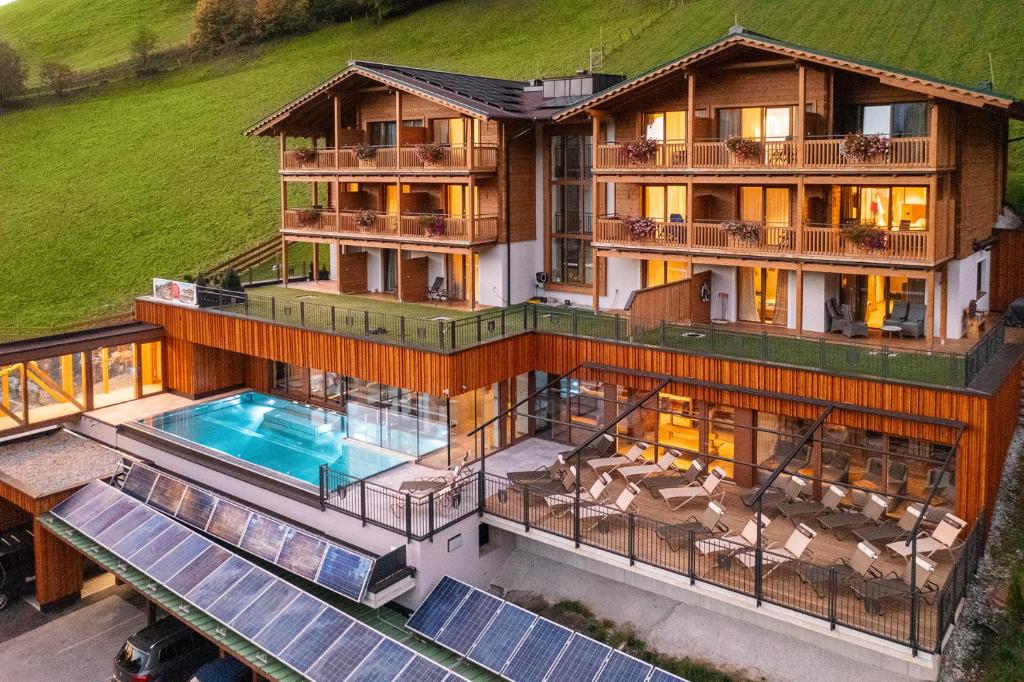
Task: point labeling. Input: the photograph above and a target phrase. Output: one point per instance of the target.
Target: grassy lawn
(152, 177)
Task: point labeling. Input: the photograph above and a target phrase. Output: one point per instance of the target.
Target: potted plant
(429, 153)
(640, 227)
(743, 231)
(306, 156)
(640, 152)
(366, 219)
(365, 154)
(309, 216)
(433, 225)
(860, 148)
(744, 148)
(866, 236)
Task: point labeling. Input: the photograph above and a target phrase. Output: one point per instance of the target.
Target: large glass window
(768, 205)
(665, 202)
(657, 272)
(571, 157)
(571, 209)
(871, 297)
(759, 123)
(665, 126)
(903, 119)
(899, 208)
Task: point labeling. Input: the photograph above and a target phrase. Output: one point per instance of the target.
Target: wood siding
(1006, 277)
(195, 370)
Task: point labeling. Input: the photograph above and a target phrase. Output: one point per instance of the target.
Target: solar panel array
(335, 567)
(310, 636)
(519, 645)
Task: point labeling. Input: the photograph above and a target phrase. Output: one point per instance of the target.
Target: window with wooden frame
(665, 126)
(571, 210)
(759, 123)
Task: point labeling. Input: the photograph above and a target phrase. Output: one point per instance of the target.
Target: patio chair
(851, 327)
(710, 522)
(835, 465)
(727, 545)
(812, 508)
(944, 537)
(776, 555)
(548, 472)
(677, 498)
(860, 565)
(656, 483)
(641, 471)
(884, 532)
(622, 505)
(898, 315)
(437, 291)
(845, 521)
(634, 455)
(895, 586)
(595, 495)
(834, 315)
(790, 491)
(939, 486)
(430, 484)
(913, 326)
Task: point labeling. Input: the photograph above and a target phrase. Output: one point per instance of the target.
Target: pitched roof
(739, 36)
(476, 96)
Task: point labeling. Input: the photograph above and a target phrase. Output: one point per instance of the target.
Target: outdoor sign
(182, 293)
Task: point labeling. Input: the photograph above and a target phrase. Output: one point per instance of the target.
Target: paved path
(80, 645)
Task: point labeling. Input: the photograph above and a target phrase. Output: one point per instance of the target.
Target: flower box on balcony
(306, 156)
(640, 152)
(430, 153)
(366, 219)
(744, 232)
(867, 236)
(640, 227)
(433, 225)
(309, 217)
(859, 148)
(366, 155)
(745, 149)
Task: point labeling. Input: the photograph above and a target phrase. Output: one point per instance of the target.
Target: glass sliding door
(763, 295)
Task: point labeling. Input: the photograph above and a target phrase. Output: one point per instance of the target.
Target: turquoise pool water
(276, 434)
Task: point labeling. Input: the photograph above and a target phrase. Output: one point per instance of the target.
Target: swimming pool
(276, 434)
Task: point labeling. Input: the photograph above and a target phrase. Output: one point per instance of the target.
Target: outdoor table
(891, 329)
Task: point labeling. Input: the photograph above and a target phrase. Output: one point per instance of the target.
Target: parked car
(167, 651)
(225, 669)
(17, 563)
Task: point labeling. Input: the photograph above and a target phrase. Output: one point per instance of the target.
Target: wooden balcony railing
(614, 231)
(614, 156)
(825, 241)
(390, 158)
(904, 152)
(773, 154)
(828, 240)
(389, 225)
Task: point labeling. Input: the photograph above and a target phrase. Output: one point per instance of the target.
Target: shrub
(220, 23)
(640, 152)
(230, 280)
(59, 77)
(12, 73)
(142, 47)
(745, 148)
(280, 17)
(742, 231)
(640, 227)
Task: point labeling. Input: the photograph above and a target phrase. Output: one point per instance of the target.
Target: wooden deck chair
(677, 498)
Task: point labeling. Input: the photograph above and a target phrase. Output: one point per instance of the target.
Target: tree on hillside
(59, 77)
(280, 17)
(142, 47)
(12, 73)
(220, 23)
(382, 9)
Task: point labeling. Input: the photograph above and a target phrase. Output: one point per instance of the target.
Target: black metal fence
(445, 335)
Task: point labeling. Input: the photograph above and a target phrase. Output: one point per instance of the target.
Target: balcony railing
(825, 241)
(433, 226)
(391, 158)
(667, 155)
(904, 152)
(772, 153)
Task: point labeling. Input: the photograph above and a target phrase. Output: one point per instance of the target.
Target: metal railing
(898, 363)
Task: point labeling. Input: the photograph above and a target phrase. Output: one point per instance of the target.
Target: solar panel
(301, 554)
(263, 537)
(538, 652)
(159, 547)
(659, 675)
(196, 507)
(167, 494)
(240, 595)
(228, 522)
(383, 663)
(345, 656)
(197, 571)
(297, 615)
(624, 668)
(127, 524)
(466, 624)
(218, 582)
(178, 558)
(315, 639)
(139, 482)
(438, 607)
(255, 617)
(501, 637)
(422, 670)
(581, 660)
(344, 572)
(95, 499)
(141, 536)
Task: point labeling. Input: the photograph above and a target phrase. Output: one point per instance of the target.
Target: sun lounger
(595, 495)
(599, 514)
(727, 545)
(776, 555)
(843, 523)
(656, 483)
(710, 522)
(676, 498)
(553, 471)
(860, 565)
(884, 532)
(875, 592)
(642, 471)
(811, 508)
(634, 455)
(942, 538)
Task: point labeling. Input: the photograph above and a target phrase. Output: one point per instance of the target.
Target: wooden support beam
(929, 318)
(470, 141)
(800, 299)
(337, 125)
(284, 262)
(398, 126)
(691, 104)
(24, 393)
(137, 361)
(282, 147)
(400, 286)
(316, 263)
(944, 303)
(801, 195)
(470, 206)
(342, 250)
(801, 113)
(471, 268)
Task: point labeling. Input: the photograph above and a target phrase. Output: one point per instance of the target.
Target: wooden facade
(1007, 275)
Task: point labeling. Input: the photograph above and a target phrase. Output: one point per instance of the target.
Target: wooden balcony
(407, 227)
(818, 153)
(389, 159)
(819, 242)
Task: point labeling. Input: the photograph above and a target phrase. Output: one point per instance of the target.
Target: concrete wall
(815, 295)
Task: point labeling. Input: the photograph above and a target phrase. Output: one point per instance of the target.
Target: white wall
(814, 302)
(723, 280)
(962, 282)
(373, 269)
(624, 277)
(333, 250)
(791, 310)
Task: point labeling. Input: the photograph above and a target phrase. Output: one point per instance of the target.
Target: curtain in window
(777, 207)
(781, 315)
(728, 123)
(746, 306)
(910, 119)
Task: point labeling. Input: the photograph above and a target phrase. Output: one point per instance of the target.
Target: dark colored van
(167, 651)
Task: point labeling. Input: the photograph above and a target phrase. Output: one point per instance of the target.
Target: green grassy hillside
(86, 34)
(151, 177)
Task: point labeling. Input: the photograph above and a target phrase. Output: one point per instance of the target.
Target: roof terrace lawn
(372, 304)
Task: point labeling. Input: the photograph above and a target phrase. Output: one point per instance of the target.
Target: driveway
(78, 644)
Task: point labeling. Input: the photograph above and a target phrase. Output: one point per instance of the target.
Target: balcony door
(871, 297)
(768, 205)
(759, 123)
(763, 295)
(389, 270)
(658, 272)
(665, 126)
(903, 119)
(665, 202)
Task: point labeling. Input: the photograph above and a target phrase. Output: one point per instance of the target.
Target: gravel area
(976, 612)
(56, 461)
